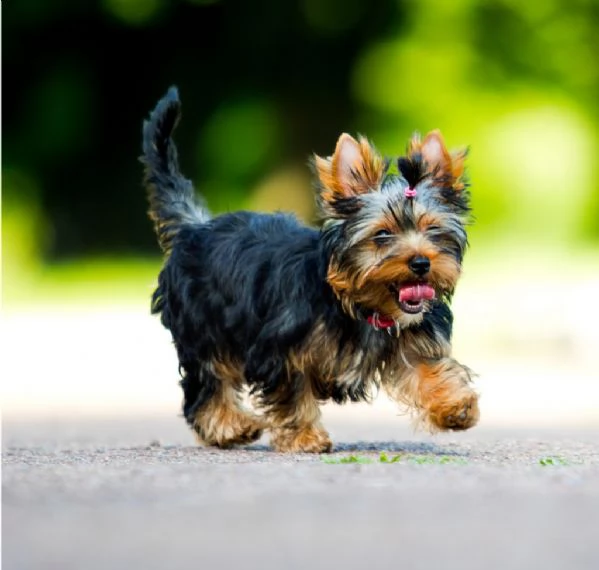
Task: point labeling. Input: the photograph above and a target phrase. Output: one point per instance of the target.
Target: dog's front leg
(441, 391)
(444, 392)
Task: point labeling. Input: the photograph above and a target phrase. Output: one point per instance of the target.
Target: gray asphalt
(137, 493)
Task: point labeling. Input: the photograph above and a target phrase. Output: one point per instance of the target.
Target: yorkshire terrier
(301, 315)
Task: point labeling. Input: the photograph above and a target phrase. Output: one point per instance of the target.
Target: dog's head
(396, 240)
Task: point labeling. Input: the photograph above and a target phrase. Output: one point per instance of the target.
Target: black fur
(171, 196)
(412, 169)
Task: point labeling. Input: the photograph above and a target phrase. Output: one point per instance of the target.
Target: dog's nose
(420, 265)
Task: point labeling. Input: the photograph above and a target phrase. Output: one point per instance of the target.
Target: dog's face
(397, 240)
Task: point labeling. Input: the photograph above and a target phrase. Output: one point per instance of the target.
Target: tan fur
(427, 219)
(223, 421)
(296, 425)
(309, 438)
(370, 289)
(443, 165)
(334, 173)
(440, 392)
(458, 159)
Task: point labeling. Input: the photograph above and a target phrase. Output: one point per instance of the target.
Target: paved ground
(135, 493)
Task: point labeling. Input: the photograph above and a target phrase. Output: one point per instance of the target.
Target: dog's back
(226, 280)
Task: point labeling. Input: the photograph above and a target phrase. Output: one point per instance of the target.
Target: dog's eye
(382, 236)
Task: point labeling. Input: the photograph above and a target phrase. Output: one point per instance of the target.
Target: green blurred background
(264, 84)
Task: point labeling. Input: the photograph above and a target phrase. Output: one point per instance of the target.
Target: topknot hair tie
(410, 192)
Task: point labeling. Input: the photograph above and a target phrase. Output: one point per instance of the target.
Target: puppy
(302, 315)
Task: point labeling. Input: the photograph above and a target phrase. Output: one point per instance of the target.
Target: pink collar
(380, 321)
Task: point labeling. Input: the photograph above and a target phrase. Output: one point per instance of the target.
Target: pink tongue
(416, 292)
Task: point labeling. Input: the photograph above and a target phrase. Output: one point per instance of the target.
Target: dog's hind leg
(213, 407)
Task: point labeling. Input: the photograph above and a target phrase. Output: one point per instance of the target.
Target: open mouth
(411, 296)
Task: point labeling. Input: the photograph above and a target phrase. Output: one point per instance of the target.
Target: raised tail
(171, 196)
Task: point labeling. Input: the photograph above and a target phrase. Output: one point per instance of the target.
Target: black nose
(419, 264)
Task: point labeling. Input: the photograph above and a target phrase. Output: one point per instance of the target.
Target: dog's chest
(335, 359)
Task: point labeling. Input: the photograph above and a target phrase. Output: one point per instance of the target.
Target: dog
(299, 316)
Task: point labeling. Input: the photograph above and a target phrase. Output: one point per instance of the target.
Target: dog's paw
(310, 439)
(248, 433)
(455, 415)
(229, 429)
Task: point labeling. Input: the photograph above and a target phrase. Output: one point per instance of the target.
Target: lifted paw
(457, 415)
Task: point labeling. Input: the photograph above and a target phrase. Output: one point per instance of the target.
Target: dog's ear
(354, 169)
(446, 169)
(458, 157)
(436, 155)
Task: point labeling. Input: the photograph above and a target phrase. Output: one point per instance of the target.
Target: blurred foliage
(266, 83)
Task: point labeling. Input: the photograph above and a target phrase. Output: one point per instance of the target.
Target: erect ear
(435, 153)
(445, 168)
(458, 157)
(355, 168)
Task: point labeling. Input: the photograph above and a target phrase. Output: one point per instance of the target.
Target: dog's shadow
(401, 447)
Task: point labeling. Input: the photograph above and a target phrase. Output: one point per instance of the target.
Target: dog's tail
(171, 196)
